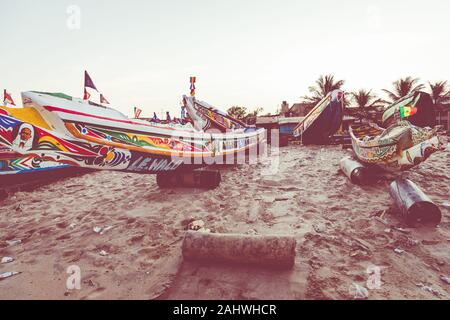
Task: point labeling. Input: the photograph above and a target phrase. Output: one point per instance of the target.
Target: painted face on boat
(25, 134)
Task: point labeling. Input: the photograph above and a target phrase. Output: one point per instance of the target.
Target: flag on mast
(193, 80)
(86, 95)
(137, 112)
(103, 99)
(88, 83)
(407, 111)
(7, 98)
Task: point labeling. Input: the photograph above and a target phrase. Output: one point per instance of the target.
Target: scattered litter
(97, 229)
(196, 225)
(402, 230)
(72, 225)
(101, 230)
(388, 230)
(204, 230)
(446, 204)
(6, 260)
(13, 242)
(89, 283)
(103, 253)
(413, 242)
(359, 292)
(106, 229)
(399, 251)
(9, 274)
(429, 289)
(445, 279)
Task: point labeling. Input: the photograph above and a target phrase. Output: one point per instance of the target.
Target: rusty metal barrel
(415, 206)
(356, 171)
(275, 251)
(204, 179)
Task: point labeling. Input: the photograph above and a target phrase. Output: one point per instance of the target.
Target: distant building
(299, 110)
(284, 126)
(284, 108)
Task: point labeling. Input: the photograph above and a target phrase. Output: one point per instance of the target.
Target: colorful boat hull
(322, 121)
(398, 148)
(93, 136)
(16, 168)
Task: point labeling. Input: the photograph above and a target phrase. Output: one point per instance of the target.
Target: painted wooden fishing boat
(400, 147)
(322, 121)
(85, 134)
(16, 168)
(206, 117)
(417, 108)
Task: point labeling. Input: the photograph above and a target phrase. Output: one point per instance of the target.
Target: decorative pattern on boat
(35, 143)
(209, 117)
(99, 148)
(139, 140)
(400, 147)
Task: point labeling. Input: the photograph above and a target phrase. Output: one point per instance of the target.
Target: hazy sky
(253, 53)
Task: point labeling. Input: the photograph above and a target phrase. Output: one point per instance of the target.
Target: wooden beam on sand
(264, 251)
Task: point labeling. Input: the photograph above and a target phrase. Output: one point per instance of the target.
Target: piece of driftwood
(263, 251)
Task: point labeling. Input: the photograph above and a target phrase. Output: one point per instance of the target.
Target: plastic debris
(445, 279)
(402, 230)
(399, 251)
(102, 230)
(97, 229)
(413, 242)
(429, 289)
(13, 242)
(103, 253)
(6, 260)
(196, 225)
(8, 274)
(359, 292)
(106, 229)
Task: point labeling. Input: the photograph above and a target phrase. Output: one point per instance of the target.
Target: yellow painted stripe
(28, 115)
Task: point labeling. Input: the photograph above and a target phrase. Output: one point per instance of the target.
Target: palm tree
(440, 93)
(237, 112)
(324, 85)
(403, 87)
(365, 101)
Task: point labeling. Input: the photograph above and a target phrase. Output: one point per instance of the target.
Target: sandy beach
(136, 251)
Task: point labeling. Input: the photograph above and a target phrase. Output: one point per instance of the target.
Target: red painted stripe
(51, 108)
